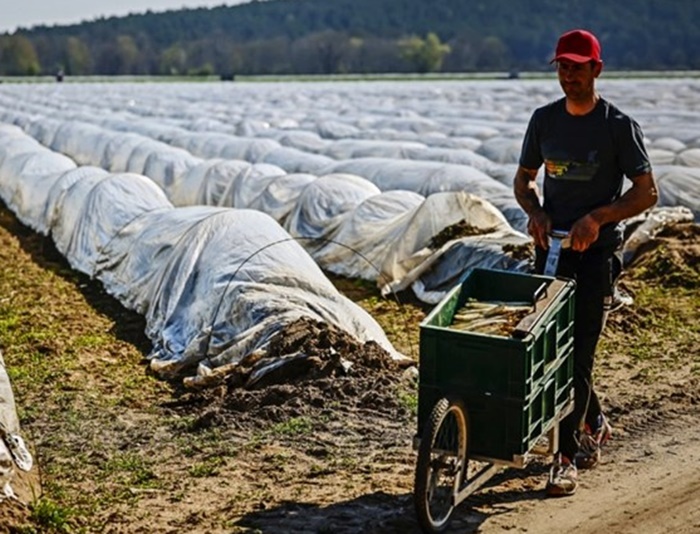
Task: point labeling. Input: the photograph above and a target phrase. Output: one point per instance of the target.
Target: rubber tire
(447, 430)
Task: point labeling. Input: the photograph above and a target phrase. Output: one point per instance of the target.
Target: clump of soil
(328, 368)
(328, 345)
(520, 252)
(455, 231)
(671, 258)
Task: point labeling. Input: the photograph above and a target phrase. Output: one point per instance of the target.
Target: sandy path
(649, 484)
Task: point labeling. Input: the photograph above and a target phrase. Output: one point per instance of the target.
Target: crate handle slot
(539, 293)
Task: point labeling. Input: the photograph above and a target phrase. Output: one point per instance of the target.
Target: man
(586, 145)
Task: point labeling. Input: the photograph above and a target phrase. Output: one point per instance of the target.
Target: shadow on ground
(382, 513)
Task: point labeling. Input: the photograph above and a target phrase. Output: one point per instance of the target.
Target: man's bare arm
(526, 193)
(525, 189)
(641, 196)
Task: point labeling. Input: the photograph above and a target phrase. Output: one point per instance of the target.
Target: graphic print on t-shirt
(578, 171)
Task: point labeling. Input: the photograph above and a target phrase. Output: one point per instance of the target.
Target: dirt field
(322, 449)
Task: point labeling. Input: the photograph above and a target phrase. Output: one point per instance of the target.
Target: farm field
(122, 451)
(416, 179)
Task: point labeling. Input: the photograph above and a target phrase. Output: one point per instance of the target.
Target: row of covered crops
(211, 287)
(362, 200)
(407, 185)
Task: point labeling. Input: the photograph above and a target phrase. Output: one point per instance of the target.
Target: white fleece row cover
(347, 223)
(215, 284)
(260, 146)
(425, 137)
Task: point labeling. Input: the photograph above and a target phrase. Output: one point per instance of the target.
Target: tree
(321, 53)
(493, 54)
(364, 35)
(426, 55)
(77, 59)
(173, 60)
(18, 56)
(128, 54)
(462, 55)
(119, 56)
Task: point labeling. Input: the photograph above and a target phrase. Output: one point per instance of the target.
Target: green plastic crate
(505, 429)
(513, 388)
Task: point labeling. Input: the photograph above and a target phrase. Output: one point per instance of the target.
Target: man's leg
(563, 476)
(592, 271)
(596, 276)
(569, 266)
(594, 281)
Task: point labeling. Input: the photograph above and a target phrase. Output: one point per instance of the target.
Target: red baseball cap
(579, 46)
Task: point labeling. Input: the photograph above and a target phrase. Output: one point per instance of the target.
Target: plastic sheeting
(209, 304)
(462, 137)
(320, 213)
(28, 172)
(475, 125)
(13, 451)
(110, 203)
(215, 284)
(645, 227)
(360, 245)
(427, 178)
(323, 204)
(679, 186)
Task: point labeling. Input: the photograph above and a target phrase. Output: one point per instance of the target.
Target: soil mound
(327, 369)
(672, 258)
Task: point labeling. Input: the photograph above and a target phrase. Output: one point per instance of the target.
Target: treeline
(358, 36)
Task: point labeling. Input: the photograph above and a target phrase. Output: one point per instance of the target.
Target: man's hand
(584, 233)
(538, 226)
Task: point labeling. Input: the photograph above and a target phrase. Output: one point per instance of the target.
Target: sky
(27, 13)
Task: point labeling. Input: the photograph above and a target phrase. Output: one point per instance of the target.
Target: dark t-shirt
(585, 159)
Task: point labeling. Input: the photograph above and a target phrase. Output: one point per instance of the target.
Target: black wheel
(441, 465)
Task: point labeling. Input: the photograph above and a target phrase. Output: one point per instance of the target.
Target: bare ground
(327, 447)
